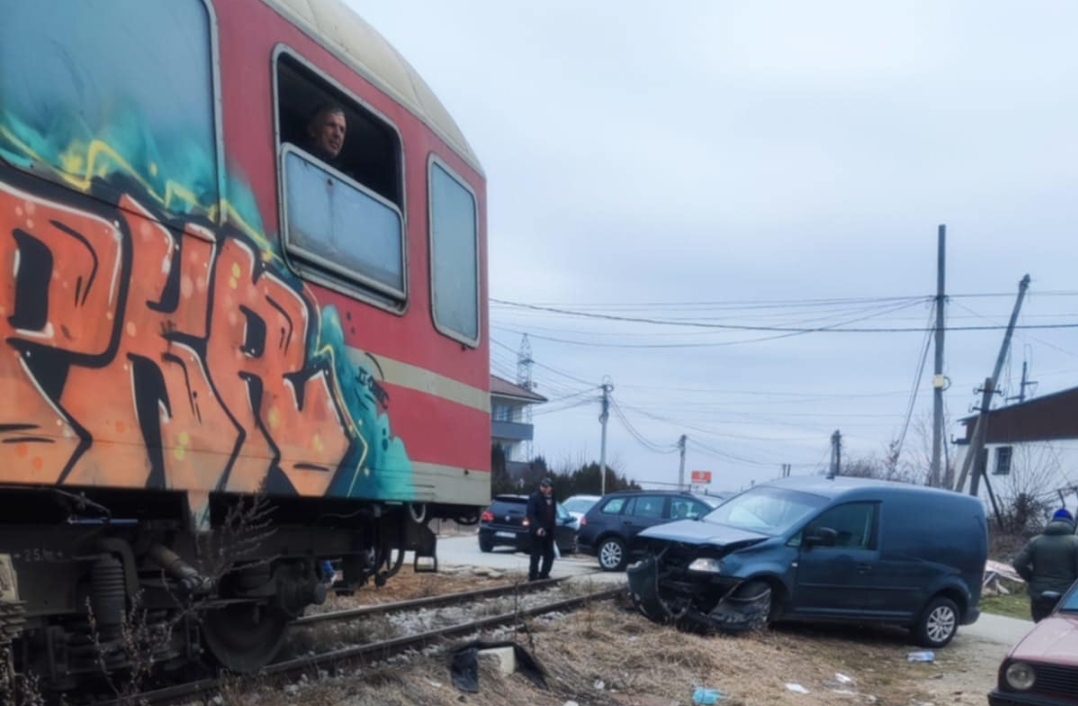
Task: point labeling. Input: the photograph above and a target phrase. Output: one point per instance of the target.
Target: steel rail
(382, 649)
(427, 602)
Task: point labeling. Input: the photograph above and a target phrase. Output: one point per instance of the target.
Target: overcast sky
(762, 164)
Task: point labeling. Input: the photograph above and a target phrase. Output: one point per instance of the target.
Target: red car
(1042, 669)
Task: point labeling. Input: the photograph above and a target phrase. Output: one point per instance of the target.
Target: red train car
(242, 305)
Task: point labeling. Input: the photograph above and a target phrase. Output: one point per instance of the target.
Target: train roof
(349, 36)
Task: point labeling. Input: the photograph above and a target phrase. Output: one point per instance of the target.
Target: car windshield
(1070, 602)
(712, 500)
(579, 504)
(766, 510)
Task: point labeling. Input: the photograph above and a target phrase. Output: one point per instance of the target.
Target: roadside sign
(701, 477)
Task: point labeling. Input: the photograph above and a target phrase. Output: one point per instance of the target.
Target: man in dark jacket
(1049, 562)
(541, 520)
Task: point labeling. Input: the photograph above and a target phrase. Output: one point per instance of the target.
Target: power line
(782, 329)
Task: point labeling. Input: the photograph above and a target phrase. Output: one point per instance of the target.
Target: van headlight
(1020, 676)
(706, 565)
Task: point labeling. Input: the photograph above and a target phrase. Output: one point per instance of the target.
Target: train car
(242, 326)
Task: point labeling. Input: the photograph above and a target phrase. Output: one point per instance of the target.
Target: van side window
(123, 87)
(341, 185)
(855, 524)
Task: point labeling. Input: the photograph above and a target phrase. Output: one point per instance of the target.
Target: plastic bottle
(926, 656)
(705, 696)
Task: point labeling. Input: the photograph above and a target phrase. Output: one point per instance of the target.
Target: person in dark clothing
(325, 133)
(541, 520)
(1049, 563)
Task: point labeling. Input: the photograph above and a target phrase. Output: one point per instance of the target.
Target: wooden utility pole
(981, 427)
(603, 417)
(836, 454)
(938, 381)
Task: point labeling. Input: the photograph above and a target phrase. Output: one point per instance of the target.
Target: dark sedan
(504, 524)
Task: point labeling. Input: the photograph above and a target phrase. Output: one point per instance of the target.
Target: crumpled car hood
(702, 532)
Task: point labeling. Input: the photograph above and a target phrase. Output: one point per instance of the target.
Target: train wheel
(244, 637)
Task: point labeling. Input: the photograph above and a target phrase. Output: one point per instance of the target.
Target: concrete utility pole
(603, 417)
(981, 427)
(681, 466)
(938, 381)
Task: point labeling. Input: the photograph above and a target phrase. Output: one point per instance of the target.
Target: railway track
(383, 649)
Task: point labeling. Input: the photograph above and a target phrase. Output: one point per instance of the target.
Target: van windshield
(765, 510)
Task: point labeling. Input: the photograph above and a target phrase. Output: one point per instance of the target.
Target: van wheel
(612, 554)
(938, 624)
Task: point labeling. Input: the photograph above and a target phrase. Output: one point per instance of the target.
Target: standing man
(1049, 562)
(541, 520)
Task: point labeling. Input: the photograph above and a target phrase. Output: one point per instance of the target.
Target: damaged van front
(722, 571)
(818, 549)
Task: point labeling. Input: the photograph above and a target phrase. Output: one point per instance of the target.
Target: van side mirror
(823, 536)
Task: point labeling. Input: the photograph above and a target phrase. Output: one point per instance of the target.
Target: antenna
(524, 379)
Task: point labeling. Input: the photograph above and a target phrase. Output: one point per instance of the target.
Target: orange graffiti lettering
(142, 353)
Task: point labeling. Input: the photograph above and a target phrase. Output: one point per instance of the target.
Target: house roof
(503, 388)
(1048, 418)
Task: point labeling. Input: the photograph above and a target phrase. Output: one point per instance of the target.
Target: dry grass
(638, 663)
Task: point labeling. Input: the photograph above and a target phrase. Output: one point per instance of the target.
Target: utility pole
(938, 381)
(603, 417)
(681, 465)
(1026, 382)
(981, 427)
(836, 454)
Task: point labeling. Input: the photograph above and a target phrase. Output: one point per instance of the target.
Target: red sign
(701, 477)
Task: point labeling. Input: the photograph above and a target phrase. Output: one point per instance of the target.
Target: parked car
(578, 505)
(505, 523)
(1042, 669)
(609, 529)
(818, 549)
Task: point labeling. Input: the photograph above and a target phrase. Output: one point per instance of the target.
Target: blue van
(818, 549)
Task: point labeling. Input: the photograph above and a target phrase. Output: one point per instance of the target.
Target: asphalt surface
(464, 551)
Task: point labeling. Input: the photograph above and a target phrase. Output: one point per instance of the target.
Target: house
(1031, 446)
(509, 425)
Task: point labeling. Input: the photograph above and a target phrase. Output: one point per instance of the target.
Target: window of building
(454, 256)
(343, 195)
(502, 413)
(1003, 460)
(121, 88)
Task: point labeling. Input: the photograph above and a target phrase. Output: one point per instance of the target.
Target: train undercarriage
(106, 587)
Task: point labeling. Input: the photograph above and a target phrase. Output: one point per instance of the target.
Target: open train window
(341, 185)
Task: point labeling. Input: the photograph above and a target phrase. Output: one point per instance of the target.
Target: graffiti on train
(144, 351)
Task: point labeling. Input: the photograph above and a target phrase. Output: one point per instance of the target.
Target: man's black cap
(545, 483)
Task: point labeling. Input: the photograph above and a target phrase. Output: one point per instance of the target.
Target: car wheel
(612, 554)
(486, 544)
(938, 623)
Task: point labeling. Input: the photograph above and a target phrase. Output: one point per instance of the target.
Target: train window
(124, 87)
(454, 256)
(342, 191)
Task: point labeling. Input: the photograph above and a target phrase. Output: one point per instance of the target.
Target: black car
(504, 523)
(608, 530)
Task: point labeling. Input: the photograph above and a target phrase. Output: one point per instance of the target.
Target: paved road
(464, 551)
